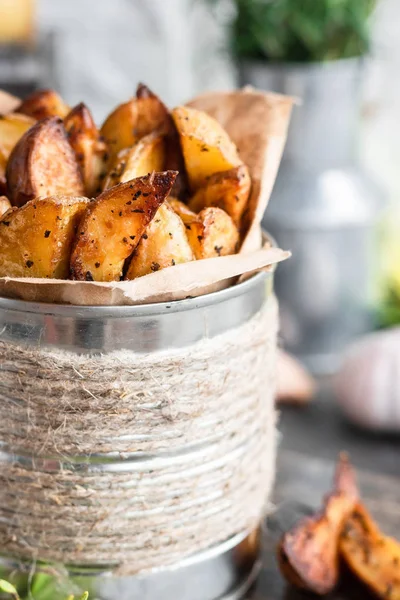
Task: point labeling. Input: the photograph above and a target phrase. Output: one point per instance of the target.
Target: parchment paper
(257, 123)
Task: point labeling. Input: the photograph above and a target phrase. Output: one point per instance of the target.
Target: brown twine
(203, 417)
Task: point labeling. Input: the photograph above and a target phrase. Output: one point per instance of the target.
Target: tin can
(224, 571)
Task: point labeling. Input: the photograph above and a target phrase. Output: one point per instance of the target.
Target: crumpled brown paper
(257, 123)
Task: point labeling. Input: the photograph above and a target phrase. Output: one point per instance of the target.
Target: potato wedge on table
(211, 233)
(12, 128)
(308, 554)
(373, 557)
(131, 121)
(206, 147)
(8, 103)
(113, 225)
(42, 104)
(43, 164)
(147, 155)
(90, 149)
(5, 205)
(228, 190)
(164, 244)
(36, 239)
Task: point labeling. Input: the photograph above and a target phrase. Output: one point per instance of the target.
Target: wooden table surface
(312, 437)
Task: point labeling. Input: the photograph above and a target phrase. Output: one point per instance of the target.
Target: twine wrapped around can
(136, 460)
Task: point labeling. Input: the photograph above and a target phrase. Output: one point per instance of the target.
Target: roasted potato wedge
(8, 103)
(163, 244)
(113, 225)
(206, 147)
(43, 164)
(373, 557)
(5, 205)
(42, 104)
(308, 554)
(12, 128)
(131, 121)
(211, 233)
(147, 155)
(36, 239)
(90, 149)
(228, 190)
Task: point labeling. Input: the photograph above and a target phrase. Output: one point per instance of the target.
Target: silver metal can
(223, 571)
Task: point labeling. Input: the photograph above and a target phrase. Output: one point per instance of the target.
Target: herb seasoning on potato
(165, 188)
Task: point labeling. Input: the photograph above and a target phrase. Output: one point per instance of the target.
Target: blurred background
(336, 203)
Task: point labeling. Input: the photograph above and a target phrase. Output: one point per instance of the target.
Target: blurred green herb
(299, 30)
(7, 588)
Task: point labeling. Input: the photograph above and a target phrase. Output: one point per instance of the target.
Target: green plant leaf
(84, 596)
(8, 588)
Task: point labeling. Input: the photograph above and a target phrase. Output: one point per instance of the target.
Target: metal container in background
(221, 572)
(324, 208)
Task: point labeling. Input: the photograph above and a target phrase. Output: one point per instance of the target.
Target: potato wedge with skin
(43, 164)
(42, 104)
(146, 156)
(8, 103)
(12, 128)
(164, 244)
(206, 147)
(90, 149)
(113, 225)
(211, 233)
(36, 239)
(308, 554)
(134, 119)
(373, 557)
(229, 190)
(5, 205)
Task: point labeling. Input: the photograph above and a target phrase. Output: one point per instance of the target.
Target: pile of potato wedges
(149, 189)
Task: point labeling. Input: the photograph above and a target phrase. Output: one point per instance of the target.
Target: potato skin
(90, 149)
(206, 147)
(134, 119)
(36, 239)
(147, 155)
(43, 164)
(228, 190)
(42, 104)
(113, 224)
(164, 244)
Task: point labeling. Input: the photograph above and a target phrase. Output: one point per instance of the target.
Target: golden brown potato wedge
(138, 117)
(163, 244)
(308, 554)
(42, 104)
(211, 233)
(228, 190)
(5, 205)
(373, 557)
(147, 155)
(12, 128)
(206, 147)
(8, 103)
(36, 239)
(90, 149)
(113, 225)
(43, 164)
